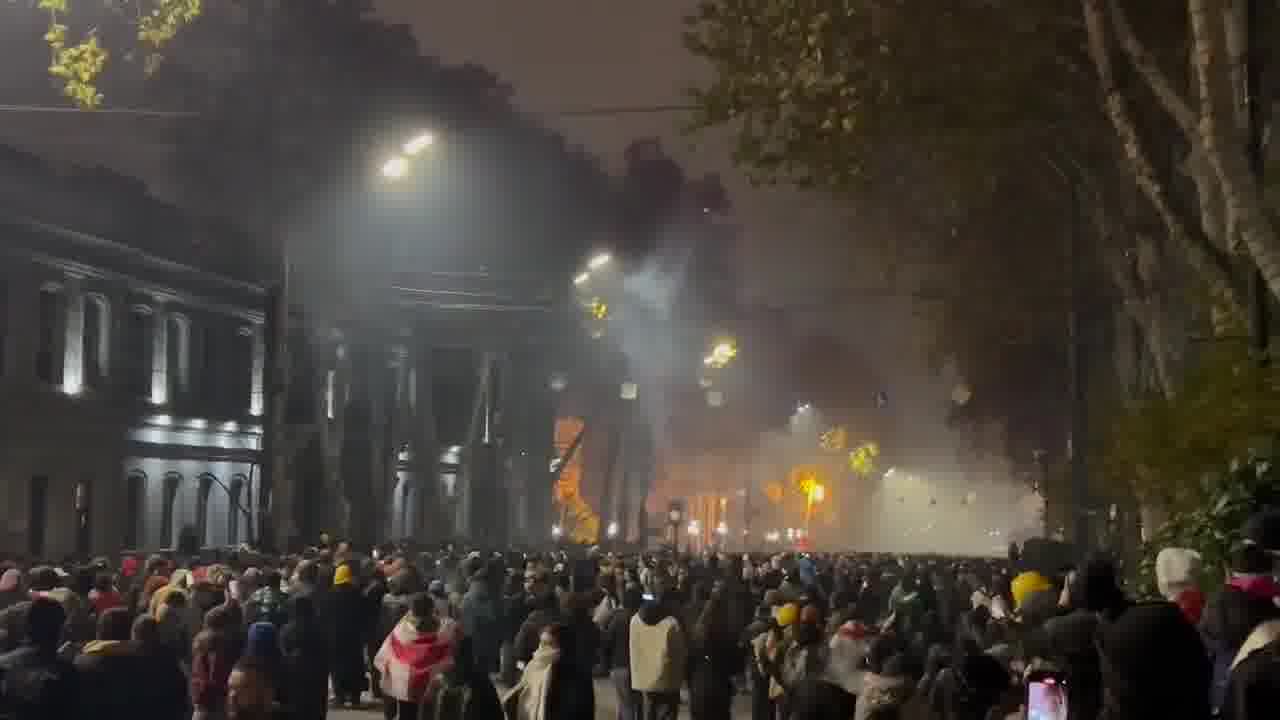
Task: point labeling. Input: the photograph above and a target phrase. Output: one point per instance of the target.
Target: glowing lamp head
(419, 143)
(396, 168)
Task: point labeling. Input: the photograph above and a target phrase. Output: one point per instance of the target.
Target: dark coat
(37, 685)
(111, 676)
(303, 643)
(615, 641)
(350, 622)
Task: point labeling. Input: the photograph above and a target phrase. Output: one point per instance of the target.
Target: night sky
(571, 54)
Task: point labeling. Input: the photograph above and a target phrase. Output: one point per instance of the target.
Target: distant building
(131, 384)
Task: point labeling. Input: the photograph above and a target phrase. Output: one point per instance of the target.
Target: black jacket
(615, 642)
(35, 684)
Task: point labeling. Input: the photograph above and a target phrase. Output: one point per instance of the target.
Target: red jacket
(210, 673)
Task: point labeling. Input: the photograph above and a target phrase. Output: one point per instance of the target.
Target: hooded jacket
(659, 650)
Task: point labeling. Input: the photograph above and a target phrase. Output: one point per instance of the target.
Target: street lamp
(581, 278)
(419, 143)
(395, 168)
(599, 261)
(612, 530)
(557, 531)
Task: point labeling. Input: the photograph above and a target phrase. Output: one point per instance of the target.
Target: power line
(127, 111)
(604, 111)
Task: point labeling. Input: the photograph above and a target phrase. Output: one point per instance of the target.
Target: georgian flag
(409, 659)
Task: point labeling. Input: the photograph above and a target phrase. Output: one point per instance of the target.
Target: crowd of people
(481, 636)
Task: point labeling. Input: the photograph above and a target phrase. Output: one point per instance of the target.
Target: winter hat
(129, 566)
(1176, 570)
(786, 615)
(262, 641)
(1027, 583)
(342, 576)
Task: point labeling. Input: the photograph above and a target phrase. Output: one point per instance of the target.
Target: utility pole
(1259, 295)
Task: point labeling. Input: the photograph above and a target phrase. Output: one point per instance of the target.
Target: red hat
(129, 565)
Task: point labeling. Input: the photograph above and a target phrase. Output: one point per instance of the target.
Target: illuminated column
(73, 347)
(259, 365)
(160, 355)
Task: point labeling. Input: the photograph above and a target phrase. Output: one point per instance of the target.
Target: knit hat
(342, 576)
(1025, 584)
(787, 614)
(1176, 570)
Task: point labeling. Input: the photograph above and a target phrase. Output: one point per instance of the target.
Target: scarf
(410, 658)
(528, 699)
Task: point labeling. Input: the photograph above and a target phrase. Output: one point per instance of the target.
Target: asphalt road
(606, 706)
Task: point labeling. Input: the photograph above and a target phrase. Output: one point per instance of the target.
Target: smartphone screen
(647, 597)
(1046, 699)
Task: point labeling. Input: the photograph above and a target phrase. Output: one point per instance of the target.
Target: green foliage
(813, 88)
(1213, 525)
(78, 65)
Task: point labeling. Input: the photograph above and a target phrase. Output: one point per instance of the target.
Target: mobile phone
(1046, 696)
(648, 597)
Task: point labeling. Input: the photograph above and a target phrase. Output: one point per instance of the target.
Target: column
(159, 355)
(258, 368)
(73, 343)
(431, 523)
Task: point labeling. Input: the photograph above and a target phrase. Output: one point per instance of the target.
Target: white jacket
(658, 655)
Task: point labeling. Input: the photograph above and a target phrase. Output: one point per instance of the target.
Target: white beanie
(1176, 570)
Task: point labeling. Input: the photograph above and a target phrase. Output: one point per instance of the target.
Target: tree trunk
(1209, 262)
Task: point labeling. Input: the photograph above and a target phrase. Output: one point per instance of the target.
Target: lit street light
(581, 278)
(419, 143)
(599, 261)
(556, 531)
(612, 530)
(396, 168)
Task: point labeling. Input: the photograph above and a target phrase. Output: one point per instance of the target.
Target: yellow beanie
(1027, 583)
(342, 576)
(786, 614)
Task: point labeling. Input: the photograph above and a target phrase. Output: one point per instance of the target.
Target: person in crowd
(1249, 599)
(165, 691)
(481, 615)
(305, 652)
(171, 625)
(351, 618)
(268, 603)
(251, 693)
(1177, 572)
(104, 596)
(615, 650)
(716, 659)
(462, 691)
(35, 683)
(212, 657)
(544, 611)
(262, 643)
(420, 646)
(516, 607)
(555, 683)
(1154, 666)
(659, 650)
(110, 670)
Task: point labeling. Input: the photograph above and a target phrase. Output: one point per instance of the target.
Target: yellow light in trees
(862, 459)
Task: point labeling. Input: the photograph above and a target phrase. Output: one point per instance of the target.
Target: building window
(235, 509)
(136, 493)
(169, 508)
(96, 350)
(139, 349)
(202, 509)
(178, 354)
(49, 317)
(37, 515)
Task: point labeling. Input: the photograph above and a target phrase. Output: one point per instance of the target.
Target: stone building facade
(130, 395)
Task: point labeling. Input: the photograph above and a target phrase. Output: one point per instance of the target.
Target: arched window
(202, 509)
(136, 493)
(96, 348)
(235, 508)
(179, 356)
(169, 508)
